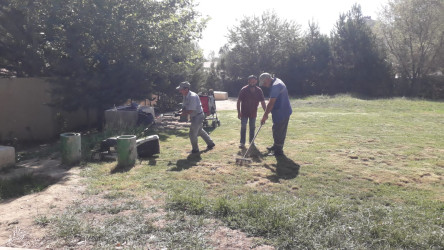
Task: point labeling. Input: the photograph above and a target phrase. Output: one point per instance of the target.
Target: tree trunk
(100, 117)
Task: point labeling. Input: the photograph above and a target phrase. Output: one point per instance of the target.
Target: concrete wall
(120, 119)
(7, 156)
(24, 114)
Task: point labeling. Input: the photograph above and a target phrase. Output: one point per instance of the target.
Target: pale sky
(227, 13)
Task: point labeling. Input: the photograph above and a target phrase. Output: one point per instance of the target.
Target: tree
(22, 38)
(213, 79)
(359, 63)
(413, 31)
(259, 44)
(107, 51)
(309, 69)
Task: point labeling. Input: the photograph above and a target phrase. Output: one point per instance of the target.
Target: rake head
(243, 161)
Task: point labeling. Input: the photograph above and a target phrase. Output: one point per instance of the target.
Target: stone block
(220, 95)
(7, 156)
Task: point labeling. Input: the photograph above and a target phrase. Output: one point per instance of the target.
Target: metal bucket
(126, 150)
(71, 148)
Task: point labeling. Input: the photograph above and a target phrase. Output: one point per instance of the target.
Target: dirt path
(229, 104)
(18, 215)
(18, 227)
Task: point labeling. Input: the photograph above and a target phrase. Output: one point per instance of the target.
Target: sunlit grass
(357, 174)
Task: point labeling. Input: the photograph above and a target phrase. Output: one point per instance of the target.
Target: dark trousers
(279, 133)
(252, 124)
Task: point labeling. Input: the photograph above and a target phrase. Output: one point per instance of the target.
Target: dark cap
(252, 77)
(183, 85)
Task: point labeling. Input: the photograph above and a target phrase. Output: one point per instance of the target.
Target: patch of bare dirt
(18, 215)
(226, 238)
(18, 227)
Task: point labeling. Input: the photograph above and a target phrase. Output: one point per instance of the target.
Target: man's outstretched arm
(269, 108)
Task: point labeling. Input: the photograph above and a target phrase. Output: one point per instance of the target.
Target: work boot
(241, 145)
(272, 148)
(211, 146)
(276, 153)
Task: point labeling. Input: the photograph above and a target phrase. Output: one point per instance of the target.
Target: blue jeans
(243, 133)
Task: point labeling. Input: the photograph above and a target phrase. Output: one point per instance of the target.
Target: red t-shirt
(250, 100)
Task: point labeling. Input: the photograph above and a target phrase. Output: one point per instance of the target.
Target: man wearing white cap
(193, 107)
(280, 108)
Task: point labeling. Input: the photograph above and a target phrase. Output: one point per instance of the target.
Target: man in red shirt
(247, 103)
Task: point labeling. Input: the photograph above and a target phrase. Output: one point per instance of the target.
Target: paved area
(229, 104)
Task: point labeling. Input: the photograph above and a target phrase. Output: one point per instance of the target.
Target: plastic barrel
(126, 150)
(71, 148)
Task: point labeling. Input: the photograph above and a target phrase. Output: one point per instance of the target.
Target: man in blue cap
(280, 108)
(193, 107)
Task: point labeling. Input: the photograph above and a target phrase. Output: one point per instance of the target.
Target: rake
(244, 160)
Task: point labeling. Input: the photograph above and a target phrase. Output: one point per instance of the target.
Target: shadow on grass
(166, 133)
(152, 161)
(284, 168)
(209, 129)
(187, 163)
(253, 153)
(121, 169)
(31, 176)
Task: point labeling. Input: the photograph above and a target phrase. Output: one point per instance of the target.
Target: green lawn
(356, 174)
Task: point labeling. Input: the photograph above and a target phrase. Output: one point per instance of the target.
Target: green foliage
(359, 64)
(430, 87)
(351, 60)
(126, 50)
(421, 21)
(308, 72)
(259, 44)
(103, 52)
(414, 33)
(214, 80)
(23, 47)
